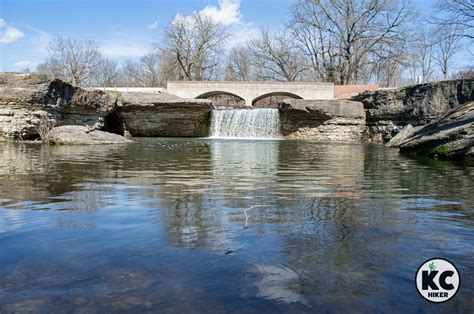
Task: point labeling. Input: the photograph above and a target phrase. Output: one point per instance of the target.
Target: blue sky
(122, 28)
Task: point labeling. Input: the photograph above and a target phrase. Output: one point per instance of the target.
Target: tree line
(344, 42)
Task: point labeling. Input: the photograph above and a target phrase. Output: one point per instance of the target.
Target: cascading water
(245, 123)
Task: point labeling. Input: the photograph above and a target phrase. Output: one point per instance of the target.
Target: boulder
(401, 136)
(451, 136)
(325, 120)
(390, 110)
(74, 134)
(162, 114)
(29, 101)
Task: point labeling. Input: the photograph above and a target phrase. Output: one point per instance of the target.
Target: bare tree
(446, 46)
(276, 58)
(167, 69)
(338, 36)
(464, 73)
(229, 74)
(52, 68)
(133, 74)
(240, 61)
(315, 42)
(151, 68)
(195, 42)
(458, 14)
(387, 65)
(107, 73)
(423, 53)
(74, 60)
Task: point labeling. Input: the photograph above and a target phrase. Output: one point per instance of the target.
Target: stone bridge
(251, 92)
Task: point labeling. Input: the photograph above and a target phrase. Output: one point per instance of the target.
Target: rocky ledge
(389, 111)
(451, 136)
(74, 134)
(325, 120)
(29, 102)
(162, 114)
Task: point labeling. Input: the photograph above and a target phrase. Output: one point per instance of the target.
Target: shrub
(43, 126)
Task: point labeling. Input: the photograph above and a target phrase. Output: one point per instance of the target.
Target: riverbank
(31, 105)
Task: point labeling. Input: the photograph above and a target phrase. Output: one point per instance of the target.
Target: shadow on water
(220, 225)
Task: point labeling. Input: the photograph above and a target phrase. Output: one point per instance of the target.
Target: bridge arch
(277, 93)
(224, 99)
(217, 93)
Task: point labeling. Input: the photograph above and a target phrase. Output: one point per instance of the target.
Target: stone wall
(389, 111)
(161, 114)
(323, 120)
(29, 100)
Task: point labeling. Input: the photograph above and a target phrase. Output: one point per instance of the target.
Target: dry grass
(44, 125)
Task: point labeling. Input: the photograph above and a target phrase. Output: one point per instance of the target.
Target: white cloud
(243, 33)
(123, 49)
(25, 64)
(227, 13)
(153, 25)
(8, 33)
(277, 283)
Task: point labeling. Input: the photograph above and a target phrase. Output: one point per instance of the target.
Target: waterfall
(245, 123)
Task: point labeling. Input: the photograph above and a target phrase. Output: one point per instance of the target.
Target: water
(176, 225)
(250, 123)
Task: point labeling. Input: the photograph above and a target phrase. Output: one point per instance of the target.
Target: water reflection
(253, 226)
(278, 283)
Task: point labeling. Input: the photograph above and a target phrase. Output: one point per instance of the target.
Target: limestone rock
(388, 111)
(450, 136)
(27, 100)
(162, 114)
(74, 134)
(325, 120)
(407, 131)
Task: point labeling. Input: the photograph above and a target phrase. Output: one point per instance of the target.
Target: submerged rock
(326, 120)
(449, 137)
(29, 101)
(162, 114)
(74, 134)
(389, 111)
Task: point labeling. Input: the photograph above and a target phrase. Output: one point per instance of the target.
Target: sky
(125, 29)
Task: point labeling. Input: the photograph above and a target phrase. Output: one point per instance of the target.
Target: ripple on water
(215, 225)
